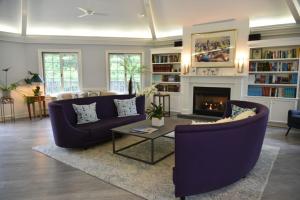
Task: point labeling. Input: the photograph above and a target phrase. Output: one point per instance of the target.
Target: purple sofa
(68, 134)
(208, 157)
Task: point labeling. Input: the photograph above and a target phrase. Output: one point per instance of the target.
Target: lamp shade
(36, 79)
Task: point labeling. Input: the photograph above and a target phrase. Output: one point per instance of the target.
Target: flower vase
(130, 86)
(158, 122)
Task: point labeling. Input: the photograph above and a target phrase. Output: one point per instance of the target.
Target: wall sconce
(240, 64)
(186, 63)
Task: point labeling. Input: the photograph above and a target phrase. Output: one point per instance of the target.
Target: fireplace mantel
(188, 82)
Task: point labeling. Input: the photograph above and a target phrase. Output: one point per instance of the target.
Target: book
(144, 130)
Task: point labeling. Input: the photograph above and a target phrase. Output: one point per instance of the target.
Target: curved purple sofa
(68, 134)
(208, 157)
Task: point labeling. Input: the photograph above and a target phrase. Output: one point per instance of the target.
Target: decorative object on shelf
(6, 89)
(215, 49)
(155, 113)
(256, 53)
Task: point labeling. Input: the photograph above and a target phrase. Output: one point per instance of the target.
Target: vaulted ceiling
(136, 18)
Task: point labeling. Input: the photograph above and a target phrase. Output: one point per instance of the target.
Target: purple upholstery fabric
(209, 157)
(294, 119)
(68, 134)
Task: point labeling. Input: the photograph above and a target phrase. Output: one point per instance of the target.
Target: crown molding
(32, 39)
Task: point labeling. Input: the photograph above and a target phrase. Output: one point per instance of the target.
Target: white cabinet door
(263, 101)
(175, 102)
(279, 109)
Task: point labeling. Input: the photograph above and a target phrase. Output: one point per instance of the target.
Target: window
(118, 77)
(61, 72)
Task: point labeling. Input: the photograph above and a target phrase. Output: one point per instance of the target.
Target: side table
(31, 101)
(161, 98)
(7, 101)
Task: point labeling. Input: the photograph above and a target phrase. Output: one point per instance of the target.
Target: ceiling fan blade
(100, 14)
(82, 9)
(80, 16)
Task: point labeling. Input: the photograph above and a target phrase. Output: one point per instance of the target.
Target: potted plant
(155, 113)
(6, 89)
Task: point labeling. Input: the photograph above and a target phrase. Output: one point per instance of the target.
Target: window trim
(40, 60)
(107, 69)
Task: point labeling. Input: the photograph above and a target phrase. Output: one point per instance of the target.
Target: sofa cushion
(244, 115)
(102, 127)
(126, 107)
(85, 113)
(236, 110)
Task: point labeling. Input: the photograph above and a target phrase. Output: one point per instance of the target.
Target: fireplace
(210, 100)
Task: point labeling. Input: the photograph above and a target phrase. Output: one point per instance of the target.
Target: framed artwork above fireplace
(216, 49)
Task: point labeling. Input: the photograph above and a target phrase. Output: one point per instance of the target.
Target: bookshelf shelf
(166, 68)
(273, 72)
(273, 59)
(273, 76)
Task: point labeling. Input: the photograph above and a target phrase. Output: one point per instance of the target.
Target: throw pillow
(85, 113)
(126, 107)
(235, 110)
(244, 115)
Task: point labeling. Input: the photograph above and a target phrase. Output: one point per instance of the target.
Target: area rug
(155, 181)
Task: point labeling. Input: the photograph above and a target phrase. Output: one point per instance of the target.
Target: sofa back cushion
(105, 106)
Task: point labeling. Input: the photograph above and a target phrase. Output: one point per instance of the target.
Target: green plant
(155, 111)
(131, 68)
(7, 87)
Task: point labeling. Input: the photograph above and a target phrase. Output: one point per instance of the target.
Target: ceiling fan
(89, 12)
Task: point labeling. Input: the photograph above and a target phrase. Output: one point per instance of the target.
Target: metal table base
(152, 146)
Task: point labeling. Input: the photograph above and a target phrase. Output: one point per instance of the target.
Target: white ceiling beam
(295, 9)
(150, 17)
(24, 17)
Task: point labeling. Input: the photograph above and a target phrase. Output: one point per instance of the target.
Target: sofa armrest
(63, 131)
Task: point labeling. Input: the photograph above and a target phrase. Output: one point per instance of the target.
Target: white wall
(22, 57)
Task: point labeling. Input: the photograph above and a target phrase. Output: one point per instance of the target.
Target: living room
(149, 99)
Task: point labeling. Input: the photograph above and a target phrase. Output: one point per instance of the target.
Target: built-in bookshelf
(166, 69)
(274, 72)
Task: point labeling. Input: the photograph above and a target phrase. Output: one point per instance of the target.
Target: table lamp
(36, 79)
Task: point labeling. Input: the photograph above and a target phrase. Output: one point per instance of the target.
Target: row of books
(272, 91)
(168, 88)
(290, 53)
(166, 58)
(276, 79)
(163, 68)
(165, 78)
(273, 66)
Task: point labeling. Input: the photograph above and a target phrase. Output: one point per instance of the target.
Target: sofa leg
(182, 198)
(288, 131)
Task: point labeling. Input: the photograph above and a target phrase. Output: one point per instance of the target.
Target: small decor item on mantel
(155, 113)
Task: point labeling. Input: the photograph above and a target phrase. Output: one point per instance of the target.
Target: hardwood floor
(26, 174)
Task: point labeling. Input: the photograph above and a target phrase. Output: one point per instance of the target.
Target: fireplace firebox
(210, 100)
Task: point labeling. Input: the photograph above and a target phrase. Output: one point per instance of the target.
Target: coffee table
(161, 132)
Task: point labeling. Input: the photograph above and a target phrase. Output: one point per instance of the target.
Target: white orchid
(148, 91)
